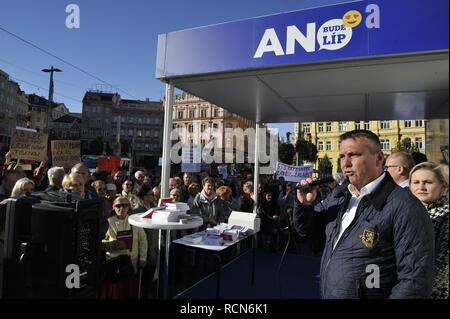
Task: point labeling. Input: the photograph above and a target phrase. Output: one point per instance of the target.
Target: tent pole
(168, 111)
(256, 171)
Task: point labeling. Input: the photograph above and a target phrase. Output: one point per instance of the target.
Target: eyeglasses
(121, 206)
(128, 184)
(385, 167)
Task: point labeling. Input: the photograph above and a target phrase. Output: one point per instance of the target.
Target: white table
(217, 249)
(136, 220)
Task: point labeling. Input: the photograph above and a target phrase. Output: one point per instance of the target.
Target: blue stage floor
(299, 279)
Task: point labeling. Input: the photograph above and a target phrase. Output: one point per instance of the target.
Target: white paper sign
(293, 173)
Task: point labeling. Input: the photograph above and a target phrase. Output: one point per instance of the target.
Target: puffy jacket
(391, 230)
(212, 212)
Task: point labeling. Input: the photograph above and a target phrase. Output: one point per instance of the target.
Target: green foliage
(325, 166)
(307, 151)
(405, 145)
(286, 153)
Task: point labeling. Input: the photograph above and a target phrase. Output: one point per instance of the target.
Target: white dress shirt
(404, 184)
(350, 212)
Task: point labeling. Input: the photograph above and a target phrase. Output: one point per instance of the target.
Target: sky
(116, 42)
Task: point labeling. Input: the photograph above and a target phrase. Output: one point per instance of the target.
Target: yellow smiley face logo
(352, 18)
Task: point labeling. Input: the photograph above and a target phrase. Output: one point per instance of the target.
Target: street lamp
(50, 93)
(116, 103)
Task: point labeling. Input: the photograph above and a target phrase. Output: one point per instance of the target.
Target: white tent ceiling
(383, 88)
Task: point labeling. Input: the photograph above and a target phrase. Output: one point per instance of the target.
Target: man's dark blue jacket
(391, 230)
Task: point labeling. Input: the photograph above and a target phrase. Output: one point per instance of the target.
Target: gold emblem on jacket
(369, 238)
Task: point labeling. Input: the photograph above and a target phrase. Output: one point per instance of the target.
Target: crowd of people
(390, 212)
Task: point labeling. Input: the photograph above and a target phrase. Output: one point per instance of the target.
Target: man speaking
(378, 237)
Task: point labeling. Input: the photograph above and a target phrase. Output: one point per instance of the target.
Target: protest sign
(65, 153)
(26, 145)
(293, 173)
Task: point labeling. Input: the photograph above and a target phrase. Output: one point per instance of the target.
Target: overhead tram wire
(64, 61)
(40, 87)
(40, 74)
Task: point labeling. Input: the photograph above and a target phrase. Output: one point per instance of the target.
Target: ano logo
(332, 35)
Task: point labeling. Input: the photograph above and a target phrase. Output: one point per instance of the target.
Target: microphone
(338, 178)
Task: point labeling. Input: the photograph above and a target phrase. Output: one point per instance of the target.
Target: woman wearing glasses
(132, 242)
(74, 183)
(428, 184)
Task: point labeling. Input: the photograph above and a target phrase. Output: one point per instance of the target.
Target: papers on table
(222, 234)
(169, 212)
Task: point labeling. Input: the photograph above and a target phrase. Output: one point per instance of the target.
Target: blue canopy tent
(321, 64)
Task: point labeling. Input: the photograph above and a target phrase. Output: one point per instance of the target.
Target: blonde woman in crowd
(22, 186)
(428, 184)
(74, 183)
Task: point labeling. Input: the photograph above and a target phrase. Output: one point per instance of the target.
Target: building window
(385, 125)
(320, 127)
(215, 126)
(407, 124)
(216, 113)
(385, 145)
(130, 132)
(155, 133)
(329, 126)
(320, 146)
(147, 146)
(203, 113)
(191, 114)
(203, 127)
(357, 125)
(419, 123)
(147, 133)
(139, 133)
(180, 114)
(367, 125)
(328, 146)
(419, 143)
(191, 128)
(343, 126)
(306, 128)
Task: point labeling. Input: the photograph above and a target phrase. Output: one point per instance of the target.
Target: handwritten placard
(65, 153)
(294, 173)
(27, 145)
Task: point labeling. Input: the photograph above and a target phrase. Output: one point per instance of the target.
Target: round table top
(136, 220)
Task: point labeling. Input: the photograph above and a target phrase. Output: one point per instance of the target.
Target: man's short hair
(55, 173)
(405, 159)
(368, 135)
(207, 180)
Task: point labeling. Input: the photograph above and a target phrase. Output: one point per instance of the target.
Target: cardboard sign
(27, 145)
(65, 153)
